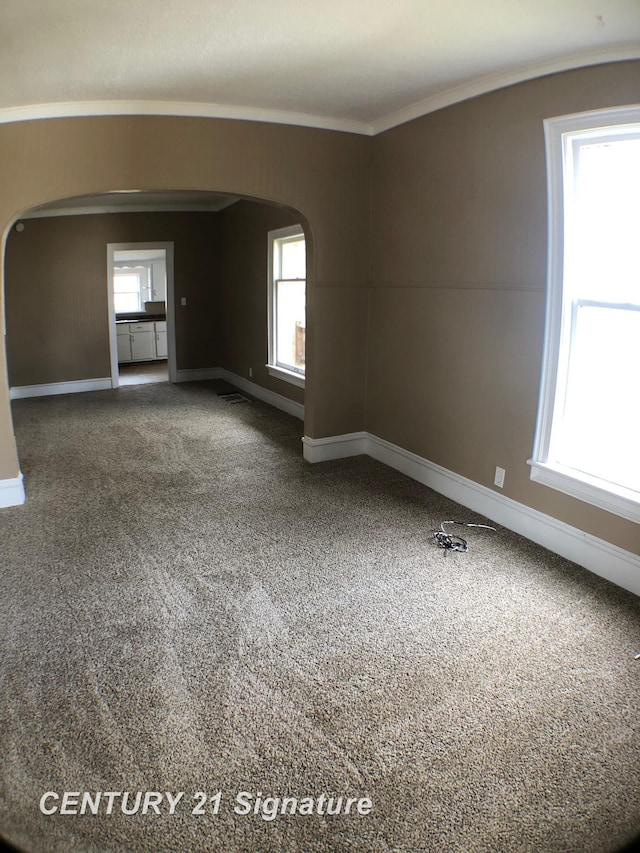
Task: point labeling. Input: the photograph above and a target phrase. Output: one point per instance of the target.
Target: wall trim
(12, 492)
(286, 375)
(263, 394)
(129, 207)
(257, 391)
(49, 389)
(500, 80)
(335, 447)
(189, 109)
(198, 374)
(617, 565)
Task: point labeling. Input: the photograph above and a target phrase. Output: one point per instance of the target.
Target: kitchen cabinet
(160, 330)
(141, 341)
(124, 343)
(145, 341)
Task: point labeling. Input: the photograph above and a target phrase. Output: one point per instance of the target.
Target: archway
(323, 175)
(55, 259)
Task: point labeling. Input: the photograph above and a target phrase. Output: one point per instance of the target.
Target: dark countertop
(139, 318)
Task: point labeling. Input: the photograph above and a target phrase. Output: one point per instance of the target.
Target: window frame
(561, 134)
(136, 269)
(290, 233)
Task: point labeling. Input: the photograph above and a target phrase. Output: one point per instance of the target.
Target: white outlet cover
(498, 480)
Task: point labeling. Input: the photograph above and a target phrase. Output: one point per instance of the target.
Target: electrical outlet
(498, 480)
(251, 373)
(183, 300)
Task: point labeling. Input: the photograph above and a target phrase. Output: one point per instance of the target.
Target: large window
(588, 432)
(287, 309)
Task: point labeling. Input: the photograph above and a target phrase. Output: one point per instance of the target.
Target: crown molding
(499, 80)
(77, 109)
(189, 109)
(95, 210)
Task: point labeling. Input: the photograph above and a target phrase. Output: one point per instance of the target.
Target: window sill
(612, 498)
(286, 375)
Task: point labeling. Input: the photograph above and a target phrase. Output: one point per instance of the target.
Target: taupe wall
(428, 245)
(324, 175)
(243, 230)
(456, 311)
(56, 292)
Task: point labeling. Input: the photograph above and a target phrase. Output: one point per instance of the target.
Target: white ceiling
(360, 65)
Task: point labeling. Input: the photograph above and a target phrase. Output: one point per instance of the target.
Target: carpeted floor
(189, 607)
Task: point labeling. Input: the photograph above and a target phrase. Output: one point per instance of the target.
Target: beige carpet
(189, 607)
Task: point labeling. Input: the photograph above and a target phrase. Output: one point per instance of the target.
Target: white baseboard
(257, 391)
(199, 374)
(12, 492)
(260, 393)
(609, 561)
(335, 447)
(49, 389)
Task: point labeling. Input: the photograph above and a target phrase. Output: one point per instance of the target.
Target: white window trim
(615, 499)
(286, 375)
(292, 376)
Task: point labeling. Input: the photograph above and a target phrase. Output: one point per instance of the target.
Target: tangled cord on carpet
(449, 541)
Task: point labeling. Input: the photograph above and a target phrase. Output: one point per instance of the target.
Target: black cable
(449, 541)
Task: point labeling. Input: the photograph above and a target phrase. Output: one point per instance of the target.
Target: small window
(589, 415)
(131, 288)
(287, 304)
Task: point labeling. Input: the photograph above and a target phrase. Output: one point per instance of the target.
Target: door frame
(171, 321)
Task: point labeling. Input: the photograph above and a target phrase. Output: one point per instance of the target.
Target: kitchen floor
(143, 373)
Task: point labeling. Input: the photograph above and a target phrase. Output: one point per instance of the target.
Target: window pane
(126, 283)
(600, 431)
(290, 323)
(292, 259)
(124, 302)
(603, 247)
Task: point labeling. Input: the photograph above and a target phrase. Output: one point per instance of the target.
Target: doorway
(141, 315)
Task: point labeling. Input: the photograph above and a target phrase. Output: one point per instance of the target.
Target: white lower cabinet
(124, 343)
(141, 341)
(161, 350)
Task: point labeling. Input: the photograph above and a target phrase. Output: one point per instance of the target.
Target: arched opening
(322, 176)
(61, 321)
